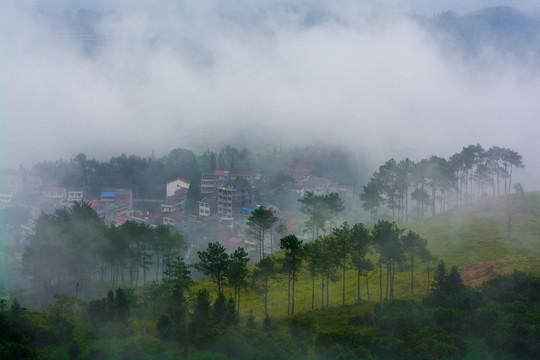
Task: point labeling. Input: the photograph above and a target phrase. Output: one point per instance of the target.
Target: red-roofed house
(33, 184)
(317, 185)
(212, 181)
(154, 217)
(93, 203)
(296, 169)
(120, 220)
(171, 218)
(234, 242)
(224, 234)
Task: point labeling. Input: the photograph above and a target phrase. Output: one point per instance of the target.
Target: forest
(156, 307)
(173, 319)
(374, 290)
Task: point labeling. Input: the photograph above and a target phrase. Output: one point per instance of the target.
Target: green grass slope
(479, 232)
(472, 234)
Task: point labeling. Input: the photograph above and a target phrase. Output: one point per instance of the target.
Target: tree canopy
(320, 209)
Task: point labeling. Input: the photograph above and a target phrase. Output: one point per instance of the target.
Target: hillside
(473, 237)
(445, 324)
(479, 232)
(505, 30)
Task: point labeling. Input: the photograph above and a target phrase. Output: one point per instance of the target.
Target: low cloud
(141, 77)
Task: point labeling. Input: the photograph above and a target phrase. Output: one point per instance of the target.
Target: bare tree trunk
(266, 296)
(510, 180)
(343, 290)
(312, 293)
(262, 243)
(157, 266)
(407, 205)
(271, 242)
(358, 286)
(392, 269)
(498, 186)
(238, 300)
(428, 274)
(322, 291)
(380, 281)
(412, 267)
(327, 287)
(367, 288)
(293, 283)
(505, 180)
(289, 296)
(387, 280)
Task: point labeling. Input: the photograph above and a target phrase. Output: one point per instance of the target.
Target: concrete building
(208, 206)
(212, 181)
(175, 195)
(176, 184)
(56, 194)
(232, 198)
(74, 195)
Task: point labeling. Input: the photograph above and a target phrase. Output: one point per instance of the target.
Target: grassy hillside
(476, 234)
(479, 232)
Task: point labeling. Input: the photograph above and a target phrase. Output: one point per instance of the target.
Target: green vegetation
(498, 320)
(72, 252)
(440, 184)
(382, 291)
(145, 176)
(502, 229)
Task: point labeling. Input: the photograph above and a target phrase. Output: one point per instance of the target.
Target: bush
(343, 343)
(130, 352)
(437, 343)
(97, 354)
(12, 350)
(165, 327)
(74, 351)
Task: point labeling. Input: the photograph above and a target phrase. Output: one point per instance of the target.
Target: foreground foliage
(504, 314)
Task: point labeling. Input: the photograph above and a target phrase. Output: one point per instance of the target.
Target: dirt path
(476, 274)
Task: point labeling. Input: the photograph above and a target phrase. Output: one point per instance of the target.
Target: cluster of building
(38, 197)
(228, 199)
(228, 195)
(305, 181)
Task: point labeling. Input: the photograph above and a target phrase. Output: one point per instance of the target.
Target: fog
(143, 77)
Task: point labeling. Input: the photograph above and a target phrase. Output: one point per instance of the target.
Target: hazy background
(112, 77)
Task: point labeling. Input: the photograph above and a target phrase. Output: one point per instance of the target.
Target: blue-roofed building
(108, 195)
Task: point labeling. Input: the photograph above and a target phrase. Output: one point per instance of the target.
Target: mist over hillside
(513, 33)
(396, 79)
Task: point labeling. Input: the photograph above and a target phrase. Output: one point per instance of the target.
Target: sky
(203, 74)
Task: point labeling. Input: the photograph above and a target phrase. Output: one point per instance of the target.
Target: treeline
(332, 162)
(72, 249)
(437, 184)
(381, 250)
(146, 177)
(228, 158)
